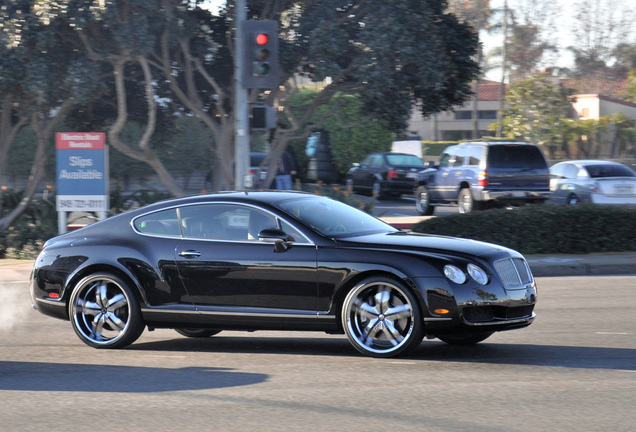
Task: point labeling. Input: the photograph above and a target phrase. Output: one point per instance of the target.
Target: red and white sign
(80, 140)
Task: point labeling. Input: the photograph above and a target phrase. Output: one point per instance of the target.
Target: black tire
(465, 339)
(573, 200)
(104, 312)
(377, 191)
(197, 332)
(466, 202)
(422, 202)
(382, 318)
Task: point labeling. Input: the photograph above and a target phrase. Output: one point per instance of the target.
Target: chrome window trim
(308, 242)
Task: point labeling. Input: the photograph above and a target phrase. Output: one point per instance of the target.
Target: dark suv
(475, 175)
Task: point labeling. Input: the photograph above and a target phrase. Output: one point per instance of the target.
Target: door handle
(190, 254)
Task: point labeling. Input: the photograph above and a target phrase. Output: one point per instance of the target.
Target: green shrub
(544, 229)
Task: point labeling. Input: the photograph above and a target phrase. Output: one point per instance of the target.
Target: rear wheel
(465, 339)
(104, 312)
(381, 318)
(466, 202)
(422, 201)
(377, 190)
(197, 332)
(573, 200)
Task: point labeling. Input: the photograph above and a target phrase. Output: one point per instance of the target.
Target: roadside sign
(82, 171)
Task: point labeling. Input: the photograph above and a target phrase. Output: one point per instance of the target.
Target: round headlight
(454, 273)
(478, 274)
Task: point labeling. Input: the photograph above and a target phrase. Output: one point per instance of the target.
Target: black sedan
(385, 173)
(278, 261)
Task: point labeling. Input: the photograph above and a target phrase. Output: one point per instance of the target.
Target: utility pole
(502, 85)
(241, 107)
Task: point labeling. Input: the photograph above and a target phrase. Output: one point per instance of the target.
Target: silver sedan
(594, 181)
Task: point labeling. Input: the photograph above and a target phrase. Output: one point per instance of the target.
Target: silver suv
(477, 175)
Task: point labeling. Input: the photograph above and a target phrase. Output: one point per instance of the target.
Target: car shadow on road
(99, 378)
(493, 353)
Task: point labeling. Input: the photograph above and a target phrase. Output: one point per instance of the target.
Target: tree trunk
(44, 134)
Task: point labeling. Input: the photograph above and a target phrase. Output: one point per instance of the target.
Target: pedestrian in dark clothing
(286, 169)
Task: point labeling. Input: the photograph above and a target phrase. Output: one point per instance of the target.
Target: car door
(224, 265)
(444, 184)
(360, 174)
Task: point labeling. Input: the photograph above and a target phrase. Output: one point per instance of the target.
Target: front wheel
(104, 312)
(422, 201)
(465, 339)
(381, 318)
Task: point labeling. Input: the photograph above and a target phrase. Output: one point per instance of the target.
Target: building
(458, 124)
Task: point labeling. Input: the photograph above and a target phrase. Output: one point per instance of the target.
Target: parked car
(476, 175)
(274, 260)
(593, 181)
(385, 173)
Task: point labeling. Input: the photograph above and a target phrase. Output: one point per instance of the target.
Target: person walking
(286, 169)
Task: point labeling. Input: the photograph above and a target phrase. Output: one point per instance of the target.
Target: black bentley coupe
(269, 260)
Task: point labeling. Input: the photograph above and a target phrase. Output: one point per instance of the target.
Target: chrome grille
(514, 272)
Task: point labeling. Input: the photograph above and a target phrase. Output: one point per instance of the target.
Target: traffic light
(260, 64)
(263, 117)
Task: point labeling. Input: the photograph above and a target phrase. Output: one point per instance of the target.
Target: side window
(460, 156)
(445, 159)
(376, 161)
(474, 155)
(570, 172)
(204, 221)
(164, 222)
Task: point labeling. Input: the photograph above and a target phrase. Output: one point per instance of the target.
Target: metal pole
(241, 112)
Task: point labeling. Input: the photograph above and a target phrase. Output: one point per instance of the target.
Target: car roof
(258, 196)
(489, 143)
(583, 162)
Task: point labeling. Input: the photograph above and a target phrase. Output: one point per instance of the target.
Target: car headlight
(454, 273)
(478, 274)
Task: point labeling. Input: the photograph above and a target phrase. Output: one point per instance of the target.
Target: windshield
(404, 160)
(332, 218)
(609, 170)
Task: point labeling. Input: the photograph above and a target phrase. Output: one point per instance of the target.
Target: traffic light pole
(241, 107)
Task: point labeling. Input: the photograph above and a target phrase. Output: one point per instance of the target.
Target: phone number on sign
(81, 204)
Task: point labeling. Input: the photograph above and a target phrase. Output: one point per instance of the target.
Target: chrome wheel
(104, 312)
(422, 203)
(465, 201)
(381, 318)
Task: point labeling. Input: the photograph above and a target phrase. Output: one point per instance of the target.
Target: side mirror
(280, 238)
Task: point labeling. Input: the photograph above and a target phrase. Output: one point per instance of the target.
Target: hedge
(544, 229)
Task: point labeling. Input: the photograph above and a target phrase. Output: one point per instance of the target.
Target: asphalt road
(573, 369)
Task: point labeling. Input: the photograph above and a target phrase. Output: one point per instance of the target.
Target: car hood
(427, 243)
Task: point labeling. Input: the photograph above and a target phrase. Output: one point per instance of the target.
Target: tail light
(594, 188)
(482, 178)
(392, 173)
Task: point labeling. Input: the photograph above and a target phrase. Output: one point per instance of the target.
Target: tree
(42, 78)
(600, 26)
(392, 54)
(537, 109)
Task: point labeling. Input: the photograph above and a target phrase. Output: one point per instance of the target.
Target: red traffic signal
(262, 39)
(260, 62)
